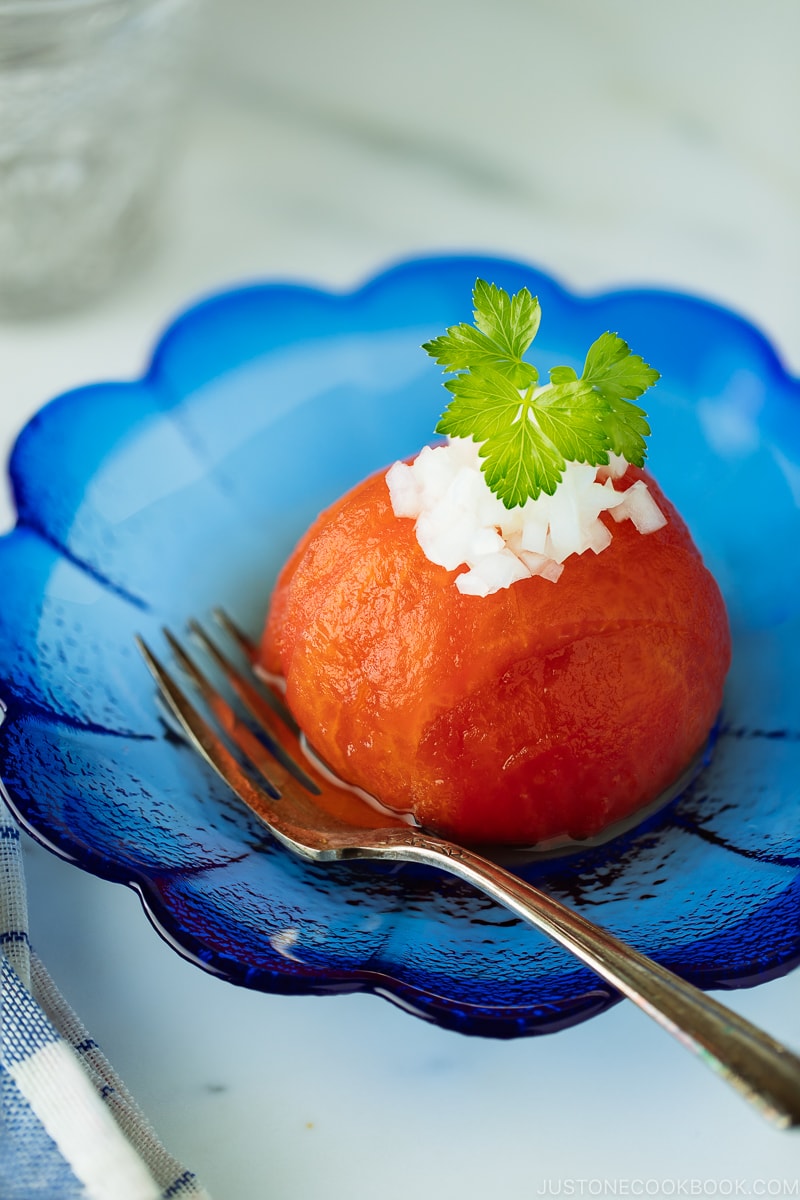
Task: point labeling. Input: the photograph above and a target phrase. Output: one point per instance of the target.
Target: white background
(614, 144)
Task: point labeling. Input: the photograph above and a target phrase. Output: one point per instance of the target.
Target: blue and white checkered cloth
(69, 1129)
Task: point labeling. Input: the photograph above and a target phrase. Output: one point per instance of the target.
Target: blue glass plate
(143, 503)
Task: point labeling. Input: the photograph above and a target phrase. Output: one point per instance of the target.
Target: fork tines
(257, 725)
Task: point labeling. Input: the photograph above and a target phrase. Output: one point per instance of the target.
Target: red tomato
(541, 711)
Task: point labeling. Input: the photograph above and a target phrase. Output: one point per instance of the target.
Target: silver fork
(320, 821)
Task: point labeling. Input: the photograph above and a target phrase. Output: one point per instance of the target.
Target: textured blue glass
(142, 504)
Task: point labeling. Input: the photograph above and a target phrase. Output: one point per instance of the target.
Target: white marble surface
(619, 144)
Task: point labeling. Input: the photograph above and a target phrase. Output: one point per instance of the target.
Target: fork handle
(755, 1064)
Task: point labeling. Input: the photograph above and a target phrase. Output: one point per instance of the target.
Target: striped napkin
(68, 1126)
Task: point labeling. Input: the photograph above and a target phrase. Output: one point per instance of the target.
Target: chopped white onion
(460, 522)
(405, 490)
(639, 507)
(540, 564)
(491, 572)
(617, 466)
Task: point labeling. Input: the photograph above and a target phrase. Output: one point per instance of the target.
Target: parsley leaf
(521, 463)
(485, 403)
(512, 322)
(517, 459)
(619, 377)
(527, 433)
(504, 329)
(569, 416)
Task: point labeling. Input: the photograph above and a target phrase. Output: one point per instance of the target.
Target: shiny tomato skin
(541, 711)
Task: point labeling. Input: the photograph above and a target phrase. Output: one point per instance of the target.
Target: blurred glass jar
(89, 99)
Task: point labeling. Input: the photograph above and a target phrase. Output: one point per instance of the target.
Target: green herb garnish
(528, 432)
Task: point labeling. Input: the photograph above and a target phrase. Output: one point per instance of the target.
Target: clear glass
(88, 108)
